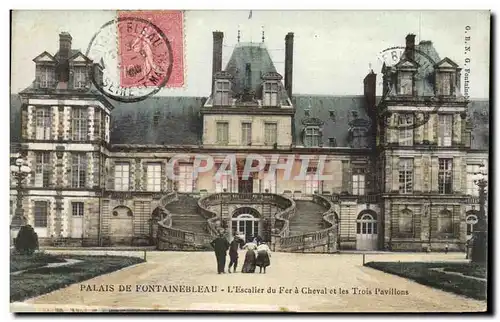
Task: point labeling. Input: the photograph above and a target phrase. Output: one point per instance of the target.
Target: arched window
(367, 223)
(245, 221)
(406, 222)
(444, 222)
(470, 221)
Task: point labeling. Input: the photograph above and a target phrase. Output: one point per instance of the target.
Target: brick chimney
(370, 93)
(289, 63)
(62, 69)
(217, 54)
(410, 46)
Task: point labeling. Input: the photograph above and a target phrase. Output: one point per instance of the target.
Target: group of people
(257, 254)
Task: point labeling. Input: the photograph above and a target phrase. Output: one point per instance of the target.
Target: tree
(26, 241)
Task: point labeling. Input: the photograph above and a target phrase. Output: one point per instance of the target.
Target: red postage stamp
(141, 58)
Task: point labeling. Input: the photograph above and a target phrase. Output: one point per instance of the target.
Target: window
(153, 171)
(312, 182)
(472, 189)
(406, 222)
(358, 184)
(79, 123)
(222, 132)
(406, 129)
(122, 176)
(445, 176)
(312, 136)
(43, 123)
(98, 123)
(246, 133)
(269, 183)
(405, 175)
(42, 169)
(445, 84)
(78, 170)
(405, 83)
(444, 221)
(41, 214)
(222, 93)
(270, 94)
(270, 135)
(366, 225)
(80, 77)
(445, 129)
(45, 76)
(224, 182)
(77, 209)
(358, 137)
(471, 220)
(185, 178)
(332, 142)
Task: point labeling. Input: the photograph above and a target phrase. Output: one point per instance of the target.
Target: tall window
(80, 77)
(472, 189)
(223, 182)
(270, 135)
(405, 175)
(445, 83)
(45, 76)
(445, 222)
(405, 83)
(246, 133)
(312, 182)
(271, 94)
(79, 127)
(77, 209)
(358, 184)
(269, 183)
(222, 93)
(41, 214)
(222, 132)
(153, 171)
(122, 176)
(445, 176)
(78, 170)
(42, 169)
(406, 222)
(185, 183)
(445, 129)
(312, 136)
(406, 129)
(43, 123)
(471, 220)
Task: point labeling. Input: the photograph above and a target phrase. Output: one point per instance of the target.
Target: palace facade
(399, 167)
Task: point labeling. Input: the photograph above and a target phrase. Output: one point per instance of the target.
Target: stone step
(308, 217)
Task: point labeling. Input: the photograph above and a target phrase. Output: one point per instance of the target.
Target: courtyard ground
(308, 282)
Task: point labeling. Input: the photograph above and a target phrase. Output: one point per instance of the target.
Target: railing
(327, 236)
(286, 205)
(472, 200)
(358, 198)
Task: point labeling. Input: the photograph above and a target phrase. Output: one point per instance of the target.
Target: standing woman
(249, 264)
(263, 257)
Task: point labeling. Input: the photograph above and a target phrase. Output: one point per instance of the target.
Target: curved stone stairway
(185, 214)
(308, 217)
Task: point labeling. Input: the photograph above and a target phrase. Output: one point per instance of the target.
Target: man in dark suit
(220, 245)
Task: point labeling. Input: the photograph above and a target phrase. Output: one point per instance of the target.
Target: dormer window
(405, 83)
(312, 136)
(222, 88)
(445, 84)
(270, 97)
(80, 77)
(45, 76)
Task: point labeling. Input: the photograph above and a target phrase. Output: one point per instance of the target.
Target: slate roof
(177, 121)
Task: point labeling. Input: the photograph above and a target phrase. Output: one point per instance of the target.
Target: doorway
(366, 231)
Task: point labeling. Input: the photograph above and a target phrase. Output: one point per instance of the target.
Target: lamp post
(20, 171)
(480, 230)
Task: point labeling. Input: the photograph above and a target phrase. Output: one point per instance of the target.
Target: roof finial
(239, 32)
(263, 37)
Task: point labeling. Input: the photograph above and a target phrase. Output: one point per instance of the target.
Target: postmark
(425, 73)
(136, 58)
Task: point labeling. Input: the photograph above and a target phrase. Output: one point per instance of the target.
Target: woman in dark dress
(249, 264)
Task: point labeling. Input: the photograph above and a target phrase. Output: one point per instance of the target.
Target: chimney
(217, 54)
(410, 46)
(289, 63)
(62, 69)
(248, 77)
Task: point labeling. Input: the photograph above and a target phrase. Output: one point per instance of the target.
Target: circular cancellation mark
(136, 57)
(425, 70)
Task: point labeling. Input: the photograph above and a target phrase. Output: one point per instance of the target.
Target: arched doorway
(121, 225)
(366, 230)
(245, 221)
(470, 221)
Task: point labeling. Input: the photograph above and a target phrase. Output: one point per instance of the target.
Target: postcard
(249, 161)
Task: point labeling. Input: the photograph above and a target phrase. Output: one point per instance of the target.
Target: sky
(333, 50)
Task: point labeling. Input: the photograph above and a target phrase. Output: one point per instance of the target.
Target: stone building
(398, 168)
